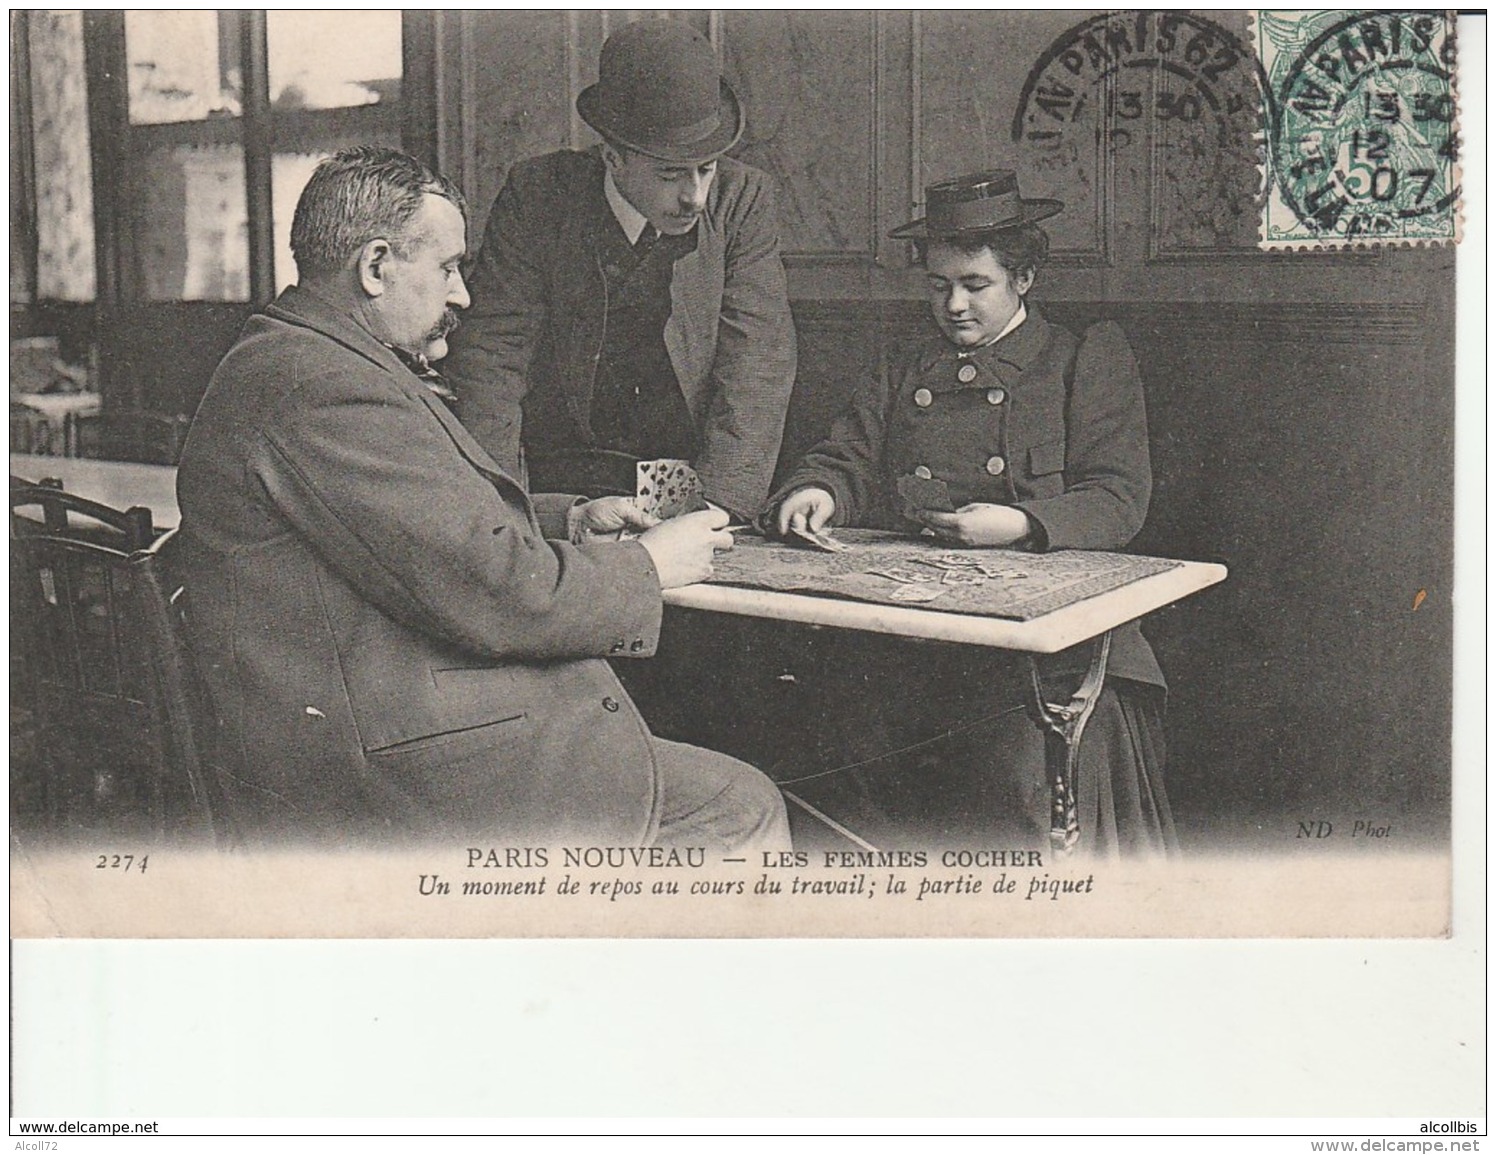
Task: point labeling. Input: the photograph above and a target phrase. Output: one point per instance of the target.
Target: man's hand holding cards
(668, 488)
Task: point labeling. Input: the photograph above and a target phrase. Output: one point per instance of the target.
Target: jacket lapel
(1006, 360)
(299, 307)
(475, 454)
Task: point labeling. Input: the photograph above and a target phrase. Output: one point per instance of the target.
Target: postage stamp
(1363, 138)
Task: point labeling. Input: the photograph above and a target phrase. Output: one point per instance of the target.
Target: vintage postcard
(1080, 388)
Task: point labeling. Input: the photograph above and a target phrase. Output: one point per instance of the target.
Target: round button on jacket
(610, 705)
(923, 471)
(967, 373)
(996, 396)
(995, 465)
(923, 397)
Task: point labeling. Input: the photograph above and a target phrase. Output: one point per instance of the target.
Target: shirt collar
(630, 219)
(1017, 319)
(1019, 343)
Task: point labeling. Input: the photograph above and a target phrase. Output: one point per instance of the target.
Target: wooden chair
(127, 435)
(118, 722)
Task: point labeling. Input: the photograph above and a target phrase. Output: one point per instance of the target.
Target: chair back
(127, 435)
(118, 732)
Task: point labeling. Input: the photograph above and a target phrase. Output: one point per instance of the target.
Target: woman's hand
(805, 510)
(980, 524)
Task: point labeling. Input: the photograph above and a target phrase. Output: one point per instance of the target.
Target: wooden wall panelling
(1283, 447)
(1206, 137)
(258, 135)
(513, 68)
(108, 110)
(426, 124)
(808, 82)
(995, 93)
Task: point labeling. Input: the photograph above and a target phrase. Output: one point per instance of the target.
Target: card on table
(821, 540)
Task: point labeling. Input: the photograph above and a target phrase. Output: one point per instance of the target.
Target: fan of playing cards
(668, 488)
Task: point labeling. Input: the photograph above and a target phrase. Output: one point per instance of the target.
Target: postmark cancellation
(1362, 128)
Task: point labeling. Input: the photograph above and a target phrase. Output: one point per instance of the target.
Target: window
(51, 171)
(214, 165)
(156, 159)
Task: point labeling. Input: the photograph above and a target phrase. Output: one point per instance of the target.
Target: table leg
(1063, 726)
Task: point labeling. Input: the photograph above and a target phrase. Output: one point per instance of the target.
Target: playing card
(668, 488)
(916, 593)
(903, 574)
(995, 571)
(920, 493)
(821, 540)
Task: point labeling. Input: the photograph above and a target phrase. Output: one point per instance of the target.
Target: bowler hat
(660, 92)
(978, 202)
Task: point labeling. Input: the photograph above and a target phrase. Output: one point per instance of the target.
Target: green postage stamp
(1362, 128)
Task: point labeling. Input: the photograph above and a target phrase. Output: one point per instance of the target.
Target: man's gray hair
(356, 196)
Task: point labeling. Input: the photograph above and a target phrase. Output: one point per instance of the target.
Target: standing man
(631, 297)
(399, 642)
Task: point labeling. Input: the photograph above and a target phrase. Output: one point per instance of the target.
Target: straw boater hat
(978, 202)
(660, 92)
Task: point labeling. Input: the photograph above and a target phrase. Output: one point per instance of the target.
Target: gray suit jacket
(537, 319)
(394, 647)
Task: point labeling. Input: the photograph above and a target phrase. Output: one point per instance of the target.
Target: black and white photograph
(795, 474)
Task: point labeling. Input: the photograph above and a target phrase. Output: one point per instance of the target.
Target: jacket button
(610, 705)
(923, 397)
(636, 645)
(617, 648)
(996, 396)
(995, 465)
(923, 471)
(967, 373)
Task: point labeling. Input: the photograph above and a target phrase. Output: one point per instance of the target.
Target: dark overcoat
(394, 645)
(1040, 420)
(539, 306)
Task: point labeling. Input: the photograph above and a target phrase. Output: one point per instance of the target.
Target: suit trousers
(709, 799)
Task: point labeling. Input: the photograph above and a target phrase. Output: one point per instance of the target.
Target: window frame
(259, 130)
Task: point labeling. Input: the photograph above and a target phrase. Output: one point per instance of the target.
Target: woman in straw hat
(1000, 430)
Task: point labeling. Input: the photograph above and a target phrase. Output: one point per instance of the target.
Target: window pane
(191, 223)
(333, 59)
(64, 174)
(183, 66)
(289, 173)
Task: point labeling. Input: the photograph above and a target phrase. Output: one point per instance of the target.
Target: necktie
(422, 368)
(646, 239)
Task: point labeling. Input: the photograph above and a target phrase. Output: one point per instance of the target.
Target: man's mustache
(449, 322)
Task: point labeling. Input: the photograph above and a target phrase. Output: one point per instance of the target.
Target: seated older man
(401, 643)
